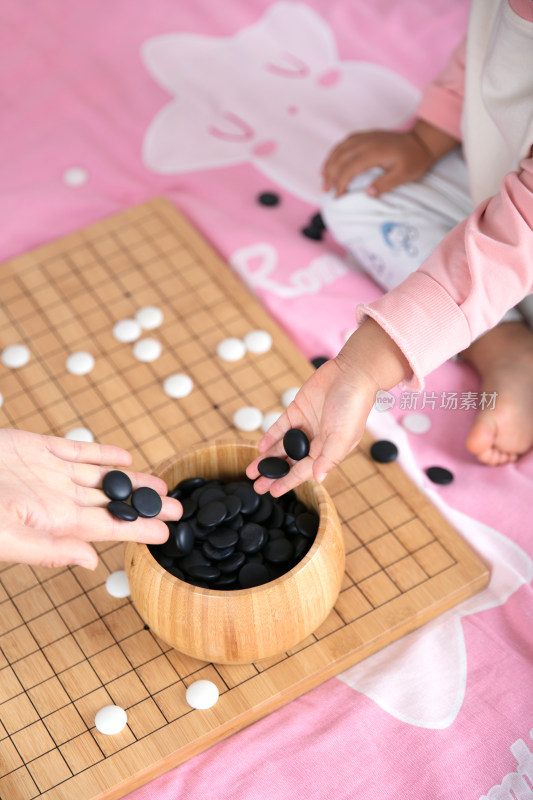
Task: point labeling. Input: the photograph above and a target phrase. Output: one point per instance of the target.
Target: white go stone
(202, 694)
(178, 385)
(75, 176)
(80, 435)
(147, 349)
(231, 349)
(110, 720)
(127, 330)
(247, 418)
(269, 420)
(288, 395)
(149, 317)
(80, 363)
(258, 341)
(15, 355)
(416, 423)
(117, 584)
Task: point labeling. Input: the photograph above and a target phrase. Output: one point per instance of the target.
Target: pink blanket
(106, 104)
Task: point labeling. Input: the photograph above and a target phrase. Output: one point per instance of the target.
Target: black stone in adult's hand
(117, 485)
(121, 510)
(146, 501)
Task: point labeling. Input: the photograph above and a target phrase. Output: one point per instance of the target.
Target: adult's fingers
(171, 509)
(88, 452)
(33, 546)
(90, 475)
(98, 525)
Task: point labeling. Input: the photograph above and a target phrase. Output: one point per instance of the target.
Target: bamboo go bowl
(241, 625)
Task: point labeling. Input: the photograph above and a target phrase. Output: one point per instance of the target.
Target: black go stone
(248, 497)
(194, 559)
(266, 535)
(317, 361)
(232, 563)
(117, 485)
(278, 550)
(253, 574)
(296, 444)
(205, 573)
(224, 582)
(223, 538)
(209, 495)
(252, 537)
(307, 524)
(235, 523)
(264, 511)
(212, 514)
(216, 553)
(384, 451)
(123, 511)
(183, 539)
(269, 199)
(233, 506)
(273, 467)
(189, 508)
(439, 475)
(277, 516)
(146, 501)
(301, 545)
(315, 229)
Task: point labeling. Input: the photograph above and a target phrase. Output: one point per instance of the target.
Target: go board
(67, 648)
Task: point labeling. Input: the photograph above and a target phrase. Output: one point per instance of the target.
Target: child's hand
(332, 407)
(402, 156)
(51, 505)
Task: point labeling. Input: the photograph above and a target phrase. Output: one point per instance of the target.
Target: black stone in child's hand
(273, 467)
(146, 501)
(121, 510)
(117, 485)
(296, 444)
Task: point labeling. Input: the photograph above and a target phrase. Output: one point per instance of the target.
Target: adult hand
(52, 506)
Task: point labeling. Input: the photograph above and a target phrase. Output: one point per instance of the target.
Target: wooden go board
(67, 647)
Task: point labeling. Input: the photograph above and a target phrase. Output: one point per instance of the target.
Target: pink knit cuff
(442, 109)
(425, 322)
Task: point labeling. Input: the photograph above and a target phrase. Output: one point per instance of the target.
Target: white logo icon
(384, 401)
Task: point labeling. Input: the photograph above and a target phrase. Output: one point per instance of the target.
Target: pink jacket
(484, 266)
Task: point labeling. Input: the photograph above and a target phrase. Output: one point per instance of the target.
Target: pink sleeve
(442, 100)
(481, 269)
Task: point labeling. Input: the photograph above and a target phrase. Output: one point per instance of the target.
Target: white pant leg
(391, 235)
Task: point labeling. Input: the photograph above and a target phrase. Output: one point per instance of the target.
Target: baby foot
(503, 431)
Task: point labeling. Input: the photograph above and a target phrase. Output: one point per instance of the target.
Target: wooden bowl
(241, 625)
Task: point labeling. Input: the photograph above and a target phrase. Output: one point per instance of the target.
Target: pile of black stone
(230, 537)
